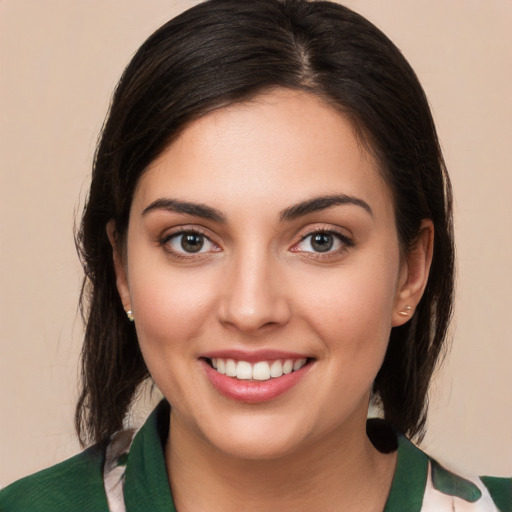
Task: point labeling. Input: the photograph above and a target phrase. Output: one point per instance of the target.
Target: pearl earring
(405, 311)
(129, 314)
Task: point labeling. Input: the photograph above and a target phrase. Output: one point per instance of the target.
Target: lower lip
(253, 392)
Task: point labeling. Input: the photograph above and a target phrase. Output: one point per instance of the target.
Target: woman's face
(263, 239)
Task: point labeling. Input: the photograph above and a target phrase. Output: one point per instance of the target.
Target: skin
(259, 283)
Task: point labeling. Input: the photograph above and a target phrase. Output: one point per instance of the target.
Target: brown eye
(188, 242)
(322, 242)
(192, 242)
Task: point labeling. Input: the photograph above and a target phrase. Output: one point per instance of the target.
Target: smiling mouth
(258, 371)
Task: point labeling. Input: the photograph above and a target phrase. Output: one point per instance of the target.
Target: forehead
(279, 147)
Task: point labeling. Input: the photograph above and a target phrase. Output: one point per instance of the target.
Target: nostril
(256, 319)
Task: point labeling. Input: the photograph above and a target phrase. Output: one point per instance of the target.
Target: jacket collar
(147, 484)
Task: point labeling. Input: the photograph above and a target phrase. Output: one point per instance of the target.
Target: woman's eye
(189, 242)
(323, 241)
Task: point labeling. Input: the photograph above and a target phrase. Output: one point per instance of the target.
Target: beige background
(60, 60)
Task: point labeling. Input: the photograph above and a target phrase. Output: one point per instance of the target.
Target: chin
(257, 437)
(257, 449)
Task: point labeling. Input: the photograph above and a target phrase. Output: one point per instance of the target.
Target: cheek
(351, 310)
(170, 307)
(172, 312)
(352, 299)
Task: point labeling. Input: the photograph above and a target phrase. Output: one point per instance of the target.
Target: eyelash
(346, 243)
(168, 237)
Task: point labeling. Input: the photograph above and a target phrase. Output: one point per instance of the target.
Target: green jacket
(132, 469)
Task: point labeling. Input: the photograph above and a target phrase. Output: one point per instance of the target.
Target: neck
(338, 472)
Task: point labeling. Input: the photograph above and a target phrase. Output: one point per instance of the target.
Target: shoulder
(467, 492)
(457, 490)
(422, 484)
(75, 484)
(500, 490)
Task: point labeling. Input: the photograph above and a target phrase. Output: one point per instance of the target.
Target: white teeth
(221, 366)
(243, 370)
(297, 365)
(288, 366)
(276, 369)
(230, 368)
(262, 370)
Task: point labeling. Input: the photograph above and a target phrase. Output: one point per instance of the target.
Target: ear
(414, 273)
(119, 266)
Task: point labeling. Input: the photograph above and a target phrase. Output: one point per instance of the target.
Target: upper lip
(254, 356)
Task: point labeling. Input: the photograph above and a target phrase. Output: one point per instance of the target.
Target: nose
(254, 298)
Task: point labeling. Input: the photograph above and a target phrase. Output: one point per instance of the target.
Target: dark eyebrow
(195, 209)
(321, 203)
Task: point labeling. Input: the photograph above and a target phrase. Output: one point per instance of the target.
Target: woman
(268, 236)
